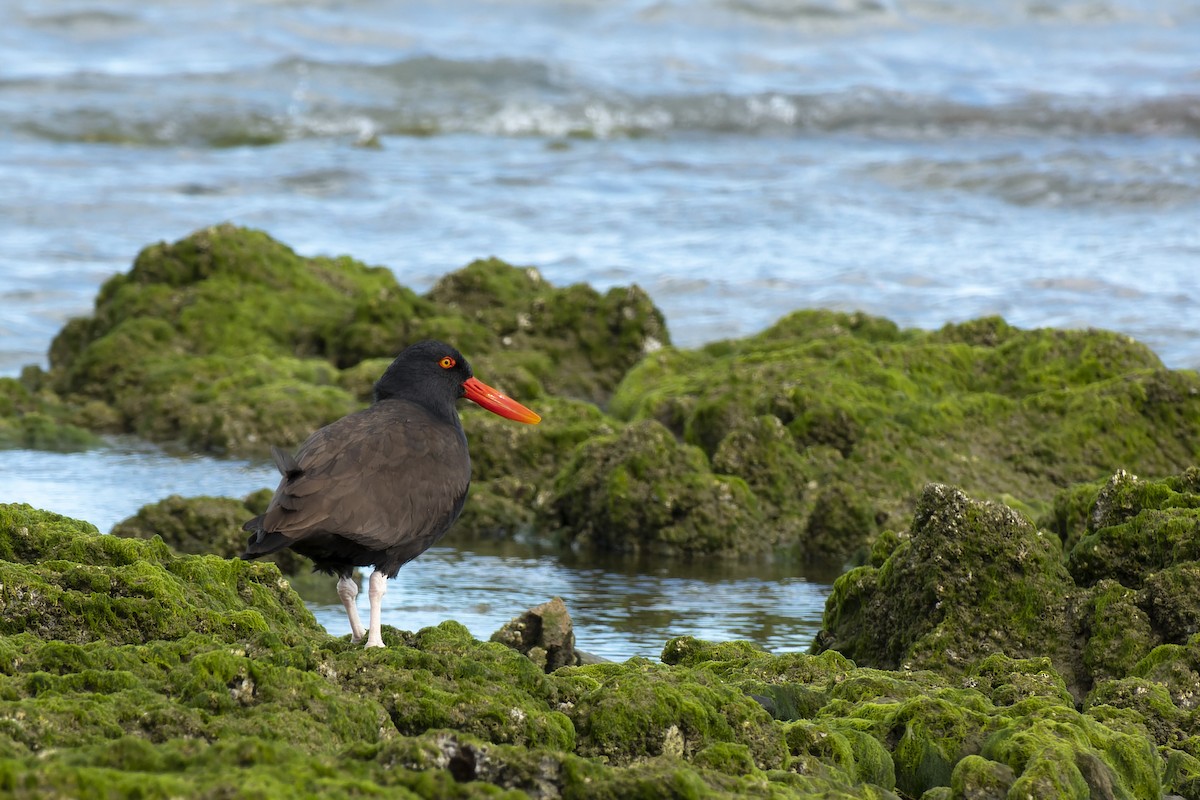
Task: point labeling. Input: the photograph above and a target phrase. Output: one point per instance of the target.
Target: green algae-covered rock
(1070, 511)
(1140, 565)
(32, 417)
(879, 412)
(231, 342)
(1117, 631)
(513, 466)
(636, 710)
(203, 526)
(61, 579)
(1004, 722)
(576, 341)
(1138, 528)
(640, 490)
(101, 697)
(442, 678)
(972, 579)
(977, 778)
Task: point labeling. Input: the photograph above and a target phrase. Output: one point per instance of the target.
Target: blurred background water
(927, 161)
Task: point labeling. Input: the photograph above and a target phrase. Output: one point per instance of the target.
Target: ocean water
(926, 161)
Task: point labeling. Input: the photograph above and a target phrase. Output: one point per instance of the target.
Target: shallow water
(620, 608)
(928, 161)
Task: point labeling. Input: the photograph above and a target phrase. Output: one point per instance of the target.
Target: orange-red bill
(497, 403)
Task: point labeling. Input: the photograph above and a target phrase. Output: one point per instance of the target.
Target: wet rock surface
(546, 636)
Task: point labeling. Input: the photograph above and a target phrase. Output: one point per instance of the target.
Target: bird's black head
(434, 375)
(430, 373)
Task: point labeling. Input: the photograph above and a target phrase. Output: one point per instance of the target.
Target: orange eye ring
(447, 362)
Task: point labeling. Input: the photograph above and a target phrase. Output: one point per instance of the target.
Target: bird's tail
(261, 542)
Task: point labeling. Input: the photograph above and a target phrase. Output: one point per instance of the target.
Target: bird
(379, 487)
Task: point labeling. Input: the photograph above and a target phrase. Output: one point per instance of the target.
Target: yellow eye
(447, 362)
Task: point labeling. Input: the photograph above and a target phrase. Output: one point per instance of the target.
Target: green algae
(1144, 542)
(998, 411)
(94, 704)
(201, 526)
(63, 580)
(1123, 639)
(815, 434)
(640, 490)
(513, 466)
(972, 579)
(979, 779)
(576, 341)
(31, 417)
(810, 437)
(1013, 718)
(423, 682)
(677, 714)
(1118, 632)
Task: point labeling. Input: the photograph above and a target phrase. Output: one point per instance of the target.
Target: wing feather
(389, 474)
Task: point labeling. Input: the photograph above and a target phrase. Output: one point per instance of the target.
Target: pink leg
(375, 591)
(347, 589)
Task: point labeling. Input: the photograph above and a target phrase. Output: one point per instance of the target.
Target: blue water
(926, 161)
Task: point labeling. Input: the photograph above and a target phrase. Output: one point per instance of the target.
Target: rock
(543, 633)
(877, 411)
(577, 342)
(61, 579)
(204, 526)
(33, 418)
(128, 670)
(1002, 722)
(812, 437)
(972, 579)
(1138, 528)
(639, 490)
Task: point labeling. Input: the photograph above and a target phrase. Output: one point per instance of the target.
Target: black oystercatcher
(381, 486)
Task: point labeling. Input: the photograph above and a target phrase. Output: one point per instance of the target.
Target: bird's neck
(443, 412)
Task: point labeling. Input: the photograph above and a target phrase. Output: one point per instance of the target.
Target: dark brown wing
(386, 475)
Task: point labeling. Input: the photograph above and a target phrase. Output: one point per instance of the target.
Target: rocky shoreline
(1022, 620)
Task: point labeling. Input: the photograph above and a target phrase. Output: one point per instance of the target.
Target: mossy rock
(1070, 755)
(1182, 774)
(833, 748)
(1070, 512)
(1171, 600)
(121, 702)
(33, 418)
(578, 342)
(812, 518)
(61, 579)
(639, 490)
(533, 453)
(1150, 701)
(230, 342)
(1002, 722)
(638, 710)
(1002, 412)
(1139, 528)
(443, 678)
(1117, 630)
(203, 526)
(972, 579)
(1013, 681)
